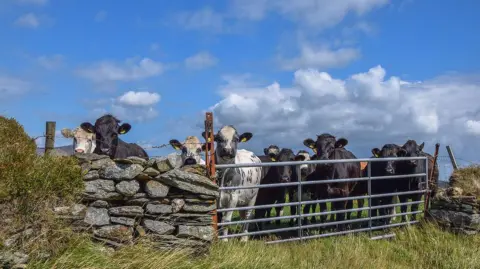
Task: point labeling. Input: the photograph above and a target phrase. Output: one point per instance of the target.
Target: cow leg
(349, 206)
(414, 207)
(260, 214)
(293, 208)
(279, 209)
(323, 208)
(360, 204)
(403, 208)
(248, 216)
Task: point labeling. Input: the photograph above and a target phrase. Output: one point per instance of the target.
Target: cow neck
(219, 160)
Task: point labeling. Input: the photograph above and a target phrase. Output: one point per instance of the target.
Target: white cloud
(201, 60)
(202, 19)
(50, 62)
(28, 20)
(132, 69)
(10, 86)
(319, 57)
(132, 98)
(100, 16)
(131, 106)
(370, 109)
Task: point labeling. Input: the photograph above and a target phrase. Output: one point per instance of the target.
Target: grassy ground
(415, 247)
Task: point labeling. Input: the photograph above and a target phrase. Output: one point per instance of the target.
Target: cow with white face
(226, 152)
(83, 141)
(191, 149)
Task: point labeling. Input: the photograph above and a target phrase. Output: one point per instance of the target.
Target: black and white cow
(226, 152)
(191, 149)
(106, 130)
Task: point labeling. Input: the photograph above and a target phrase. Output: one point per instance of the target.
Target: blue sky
(374, 71)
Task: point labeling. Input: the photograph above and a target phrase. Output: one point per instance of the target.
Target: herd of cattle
(102, 138)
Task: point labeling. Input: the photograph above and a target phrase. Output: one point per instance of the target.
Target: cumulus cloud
(201, 60)
(132, 98)
(132, 69)
(320, 57)
(368, 108)
(135, 106)
(10, 86)
(50, 62)
(28, 20)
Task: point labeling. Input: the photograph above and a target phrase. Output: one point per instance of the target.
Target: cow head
(285, 171)
(191, 149)
(324, 145)
(227, 140)
(411, 149)
(272, 152)
(303, 155)
(107, 130)
(83, 141)
(387, 151)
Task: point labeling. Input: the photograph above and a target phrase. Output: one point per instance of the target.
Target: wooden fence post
(210, 160)
(50, 136)
(452, 158)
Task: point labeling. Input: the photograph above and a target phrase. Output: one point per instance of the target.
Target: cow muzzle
(79, 150)
(190, 161)
(285, 179)
(105, 151)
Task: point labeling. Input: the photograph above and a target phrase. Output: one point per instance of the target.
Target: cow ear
(376, 152)
(309, 143)
(299, 157)
(245, 137)
(175, 144)
(342, 142)
(204, 135)
(420, 148)
(265, 151)
(204, 146)
(87, 127)
(67, 133)
(124, 128)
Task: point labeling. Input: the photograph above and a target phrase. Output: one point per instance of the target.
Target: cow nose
(79, 150)
(190, 161)
(105, 150)
(285, 179)
(389, 170)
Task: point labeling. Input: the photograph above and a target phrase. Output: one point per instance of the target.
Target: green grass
(414, 247)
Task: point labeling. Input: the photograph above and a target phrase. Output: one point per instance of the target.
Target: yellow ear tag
(209, 140)
(122, 131)
(243, 139)
(176, 147)
(376, 155)
(314, 150)
(273, 159)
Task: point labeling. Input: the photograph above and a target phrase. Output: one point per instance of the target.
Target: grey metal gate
(423, 189)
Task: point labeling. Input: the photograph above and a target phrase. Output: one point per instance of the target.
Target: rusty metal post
(210, 159)
(435, 156)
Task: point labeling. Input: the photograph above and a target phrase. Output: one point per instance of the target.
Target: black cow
(329, 148)
(107, 129)
(276, 174)
(411, 149)
(382, 186)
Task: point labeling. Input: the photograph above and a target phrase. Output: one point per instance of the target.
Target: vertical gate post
(49, 136)
(369, 182)
(299, 199)
(435, 156)
(210, 160)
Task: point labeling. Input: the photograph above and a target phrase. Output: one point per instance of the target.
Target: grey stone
(126, 211)
(158, 226)
(85, 167)
(154, 208)
(14, 239)
(97, 216)
(132, 160)
(173, 242)
(120, 171)
(143, 177)
(177, 205)
(189, 182)
(128, 188)
(117, 233)
(140, 195)
(123, 220)
(151, 172)
(88, 157)
(199, 207)
(91, 175)
(102, 195)
(139, 201)
(162, 164)
(200, 232)
(100, 204)
(99, 185)
(99, 164)
(457, 219)
(156, 189)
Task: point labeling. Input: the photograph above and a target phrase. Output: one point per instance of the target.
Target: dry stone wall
(133, 199)
(460, 214)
